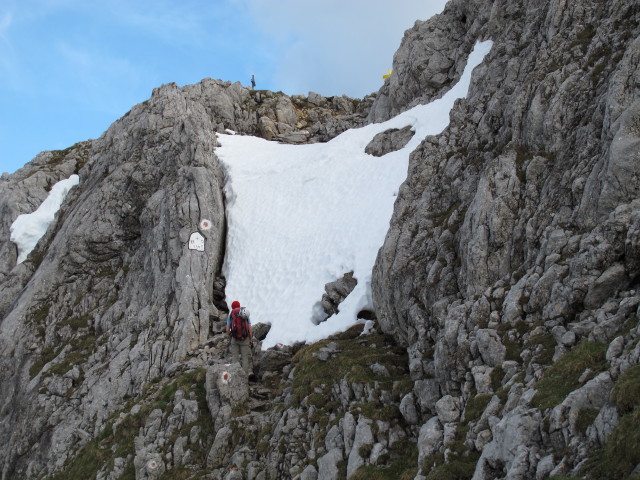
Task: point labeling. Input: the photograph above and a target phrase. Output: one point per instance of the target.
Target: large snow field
(300, 216)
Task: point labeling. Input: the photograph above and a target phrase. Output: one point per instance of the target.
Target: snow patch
(300, 216)
(29, 228)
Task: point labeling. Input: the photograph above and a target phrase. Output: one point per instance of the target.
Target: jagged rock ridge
(513, 246)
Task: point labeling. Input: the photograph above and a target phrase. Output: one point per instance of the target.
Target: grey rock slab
(363, 437)
(427, 393)
(612, 280)
(328, 465)
(448, 409)
(491, 348)
(389, 141)
(408, 409)
(520, 427)
(309, 473)
(226, 386)
(430, 439)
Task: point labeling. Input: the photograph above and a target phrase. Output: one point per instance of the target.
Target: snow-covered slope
(300, 216)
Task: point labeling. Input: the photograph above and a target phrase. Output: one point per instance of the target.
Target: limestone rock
(226, 386)
(512, 438)
(430, 439)
(389, 141)
(490, 346)
(448, 409)
(309, 473)
(611, 280)
(328, 465)
(363, 437)
(515, 237)
(427, 393)
(408, 409)
(336, 292)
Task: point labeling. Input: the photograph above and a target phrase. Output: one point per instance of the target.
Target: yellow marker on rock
(387, 75)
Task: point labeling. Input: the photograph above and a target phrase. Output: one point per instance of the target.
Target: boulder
(389, 141)
(612, 280)
(490, 346)
(328, 465)
(430, 439)
(226, 385)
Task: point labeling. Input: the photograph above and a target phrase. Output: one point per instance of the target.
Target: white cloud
(337, 47)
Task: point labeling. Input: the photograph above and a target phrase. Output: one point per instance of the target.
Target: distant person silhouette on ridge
(239, 330)
(253, 82)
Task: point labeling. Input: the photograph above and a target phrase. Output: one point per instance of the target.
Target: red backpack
(239, 325)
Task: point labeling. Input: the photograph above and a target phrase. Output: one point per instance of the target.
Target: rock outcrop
(511, 241)
(506, 289)
(112, 297)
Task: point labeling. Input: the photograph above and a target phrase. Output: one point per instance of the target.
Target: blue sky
(70, 68)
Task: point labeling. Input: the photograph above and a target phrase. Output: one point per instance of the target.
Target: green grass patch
(460, 467)
(377, 411)
(561, 378)
(402, 387)
(76, 323)
(621, 453)
(321, 414)
(586, 417)
(118, 440)
(365, 450)
(497, 374)
(48, 354)
(355, 354)
(462, 460)
(513, 345)
(521, 327)
(629, 324)
(545, 350)
(35, 257)
(88, 462)
(402, 464)
(239, 410)
(39, 315)
(584, 37)
(626, 392)
(82, 347)
(475, 406)
(38, 320)
(178, 473)
(318, 400)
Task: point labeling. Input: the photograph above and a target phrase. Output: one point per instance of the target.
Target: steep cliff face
(509, 275)
(514, 237)
(111, 280)
(112, 297)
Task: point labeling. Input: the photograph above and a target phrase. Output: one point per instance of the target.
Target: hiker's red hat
(235, 304)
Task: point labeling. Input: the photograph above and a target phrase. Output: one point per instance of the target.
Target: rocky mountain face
(506, 295)
(513, 245)
(111, 298)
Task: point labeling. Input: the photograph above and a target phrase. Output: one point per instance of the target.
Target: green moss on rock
(562, 377)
